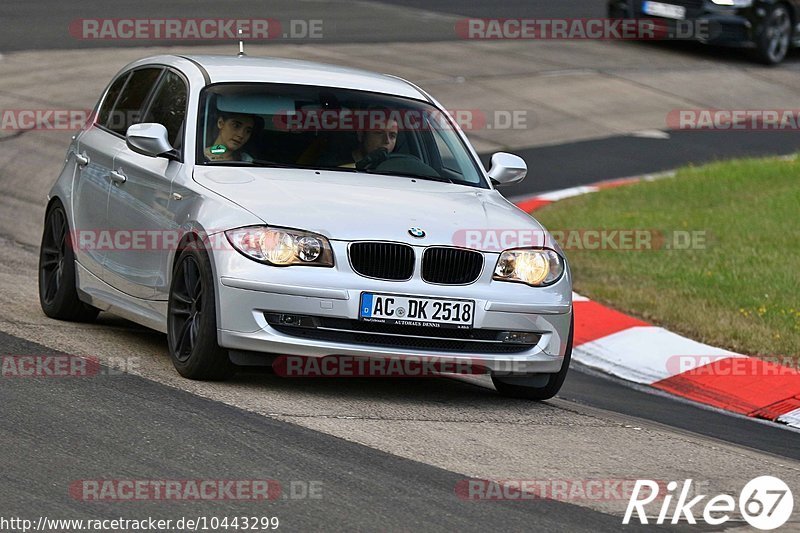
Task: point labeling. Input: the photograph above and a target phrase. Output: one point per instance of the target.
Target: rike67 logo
(765, 503)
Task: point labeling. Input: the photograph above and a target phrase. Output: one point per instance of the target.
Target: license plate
(417, 311)
(659, 9)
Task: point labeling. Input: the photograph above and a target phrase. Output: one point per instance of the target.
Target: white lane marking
(646, 354)
(792, 418)
(650, 134)
(554, 196)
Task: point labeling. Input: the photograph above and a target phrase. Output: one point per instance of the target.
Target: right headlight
(282, 246)
(733, 3)
(537, 267)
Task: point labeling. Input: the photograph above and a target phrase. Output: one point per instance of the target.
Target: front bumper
(247, 292)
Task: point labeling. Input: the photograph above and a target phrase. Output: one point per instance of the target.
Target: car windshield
(300, 126)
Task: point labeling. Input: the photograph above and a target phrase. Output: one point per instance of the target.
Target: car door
(94, 153)
(139, 199)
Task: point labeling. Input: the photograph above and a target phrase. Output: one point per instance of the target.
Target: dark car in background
(768, 27)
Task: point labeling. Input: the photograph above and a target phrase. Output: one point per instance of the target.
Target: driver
(371, 140)
(233, 132)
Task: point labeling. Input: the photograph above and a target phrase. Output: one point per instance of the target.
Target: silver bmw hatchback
(255, 208)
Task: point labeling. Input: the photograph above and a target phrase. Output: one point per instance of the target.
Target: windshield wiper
(272, 164)
(410, 175)
(254, 162)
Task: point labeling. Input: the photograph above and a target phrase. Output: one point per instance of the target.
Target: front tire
(536, 386)
(192, 319)
(775, 36)
(58, 292)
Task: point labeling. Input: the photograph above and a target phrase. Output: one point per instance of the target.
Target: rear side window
(128, 108)
(169, 107)
(111, 99)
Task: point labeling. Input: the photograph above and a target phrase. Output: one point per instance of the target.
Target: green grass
(740, 291)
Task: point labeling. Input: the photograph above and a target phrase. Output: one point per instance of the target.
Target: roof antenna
(241, 44)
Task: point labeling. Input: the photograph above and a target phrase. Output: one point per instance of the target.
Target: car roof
(246, 69)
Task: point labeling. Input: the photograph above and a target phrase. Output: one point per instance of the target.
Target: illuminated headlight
(536, 267)
(733, 3)
(282, 246)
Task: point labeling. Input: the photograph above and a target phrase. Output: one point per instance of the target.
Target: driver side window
(127, 110)
(169, 107)
(111, 99)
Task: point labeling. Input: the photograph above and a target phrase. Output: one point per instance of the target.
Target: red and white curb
(633, 350)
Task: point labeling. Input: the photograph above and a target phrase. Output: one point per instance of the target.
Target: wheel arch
(57, 200)
(53, 200)
(792, 7)
(196, 235)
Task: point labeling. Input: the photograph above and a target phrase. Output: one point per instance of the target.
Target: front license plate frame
(665, 10)
(411, 310)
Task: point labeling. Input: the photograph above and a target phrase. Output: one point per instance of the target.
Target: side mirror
(507, 169)
(149, 139)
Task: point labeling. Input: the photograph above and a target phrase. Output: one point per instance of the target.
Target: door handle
(118, 177)
(82, 159)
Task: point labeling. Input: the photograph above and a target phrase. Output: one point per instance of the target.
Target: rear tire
(58, 292)
(774, 38)
(192, 319)
(536, 386)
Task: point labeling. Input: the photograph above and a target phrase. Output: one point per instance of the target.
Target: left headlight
(281, 246)
(537, 267)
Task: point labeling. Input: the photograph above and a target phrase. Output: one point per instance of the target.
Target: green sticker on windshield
(218, 149)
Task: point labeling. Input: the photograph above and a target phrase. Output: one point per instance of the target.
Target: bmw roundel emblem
(416, 232)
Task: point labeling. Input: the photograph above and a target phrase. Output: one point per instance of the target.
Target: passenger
(234, 130)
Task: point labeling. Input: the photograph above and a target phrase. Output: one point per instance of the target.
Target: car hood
(356, 206)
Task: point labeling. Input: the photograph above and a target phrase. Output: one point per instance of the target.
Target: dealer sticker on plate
(659, 9)
(416, 311)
